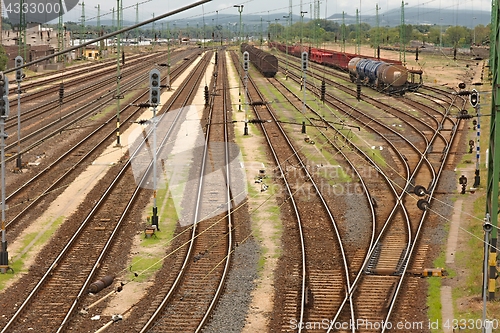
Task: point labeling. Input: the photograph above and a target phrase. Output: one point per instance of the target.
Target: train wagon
(379, 75)
(385, 75)
(265, 62)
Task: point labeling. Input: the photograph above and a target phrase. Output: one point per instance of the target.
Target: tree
(454, 35)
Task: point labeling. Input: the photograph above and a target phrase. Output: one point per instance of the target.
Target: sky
(257, 7)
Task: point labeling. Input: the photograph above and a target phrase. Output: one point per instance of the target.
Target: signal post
(154, 100)
(4, 113)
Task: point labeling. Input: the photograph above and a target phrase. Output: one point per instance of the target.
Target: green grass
(434, 301)
(145, 264)
(30, 241)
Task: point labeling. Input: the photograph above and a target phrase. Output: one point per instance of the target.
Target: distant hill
(419, 16)
(392, 18)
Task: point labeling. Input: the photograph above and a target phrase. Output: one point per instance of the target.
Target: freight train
(265, 62)
(385, 75)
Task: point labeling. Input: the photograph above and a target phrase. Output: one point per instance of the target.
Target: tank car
(380, 75)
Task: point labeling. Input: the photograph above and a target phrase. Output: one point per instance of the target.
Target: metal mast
(82, 32)
(60, 33)
(316, 22)
(402, 46)
(118, 73)
(22, 31)
(494, 149)
(137, 22)
(343, 32)
(99, 28)
(377, 35)
(358, 33)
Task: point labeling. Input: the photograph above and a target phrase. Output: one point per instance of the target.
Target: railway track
(187, 305)
(51, 179)
(40, 122)
(315, 282)
(94, 230)
(388, 258)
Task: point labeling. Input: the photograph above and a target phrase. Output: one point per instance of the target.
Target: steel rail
(175, 74)
(229, 198)
(187, 257)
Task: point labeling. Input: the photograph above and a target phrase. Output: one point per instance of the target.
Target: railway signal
(463, 181)
(154, 100)
(207, 101)
(61, 92)
(4, 113)
(19, 61)
(323, 90)
(246, 58)
(4, 93)
(474, 98)
(154, 87)
(304, 56)
(304, 61)
(19, 71)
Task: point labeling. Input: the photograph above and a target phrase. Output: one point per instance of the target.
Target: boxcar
(265, 62)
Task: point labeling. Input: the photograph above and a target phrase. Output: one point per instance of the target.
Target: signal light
(358, 91)
(19, 72)
(246, 58)
(323, 90)
(207, 101)
(304, 61)
(154, 87)
(61, 92)
(4, 93)
(474, 98)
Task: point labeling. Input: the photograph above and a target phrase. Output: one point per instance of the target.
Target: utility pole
(402, 39)
(168, 55)
(301, 23)
(19, 61)
(286, 45)
(261, 40)
(118, 73)
(153, 31)
(99, 27)
(316, 21)
(60, 33)
(82, 31)
(240, 10)
(22, 31)
(154, 101)
(4, 113)
(113, 19)
(304, 71)
(494, 148)
(342, 48)
(377, 35)
(137, 22)
(358, 33)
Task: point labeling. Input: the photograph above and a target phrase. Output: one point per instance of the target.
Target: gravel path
(233, 306)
